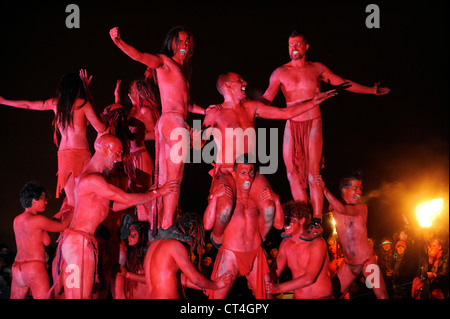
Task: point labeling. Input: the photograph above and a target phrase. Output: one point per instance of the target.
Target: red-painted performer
(166, 258)
(77, 249)
(299, 80)
(307, 260)
(241, 251)
(351, 218)
(172, 72)
(29, 271)
(73, 112)
(237, 113)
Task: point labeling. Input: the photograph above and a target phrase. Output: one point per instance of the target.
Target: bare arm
(46, 105)
(209, 217)
(352, 86)
(196, 278)
(272, 112)
(337, 206)
(312, 270)
(150, 60)
(92, 117)
(53, 225)
(197, 109)
(272, 90)
(123, 200)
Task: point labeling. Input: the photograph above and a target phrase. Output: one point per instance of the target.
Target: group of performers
(242, 207)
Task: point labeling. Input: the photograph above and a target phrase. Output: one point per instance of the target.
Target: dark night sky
(400, 141)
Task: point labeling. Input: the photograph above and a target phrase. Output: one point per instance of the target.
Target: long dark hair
(71, 88)
(167, 48)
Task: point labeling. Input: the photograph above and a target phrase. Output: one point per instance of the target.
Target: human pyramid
(242, 207)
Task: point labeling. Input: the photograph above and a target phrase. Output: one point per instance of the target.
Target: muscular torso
(300, 84)
(173, 87)
(235, 134)
(352, 234)
(91, 209)
(242, 233)
(30, 240)
(298, 262)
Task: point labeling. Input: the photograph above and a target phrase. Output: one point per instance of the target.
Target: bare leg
(226, 262)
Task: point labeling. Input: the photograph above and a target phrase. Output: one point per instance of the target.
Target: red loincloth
(70, 161)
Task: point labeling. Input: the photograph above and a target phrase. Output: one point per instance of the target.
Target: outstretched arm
(45, 105)
(148, 59)
(123, 200)
(351, 86)
(273, 112)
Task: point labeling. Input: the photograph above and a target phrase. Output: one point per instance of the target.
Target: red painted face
(352, 194)
(133, 237)
(297, 47)
(182, 45)
(238, 85)
(244, 176)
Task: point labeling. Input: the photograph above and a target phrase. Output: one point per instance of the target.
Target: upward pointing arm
(150, 60)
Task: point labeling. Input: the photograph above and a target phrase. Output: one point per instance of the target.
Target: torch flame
(427, 212)
(333, 222)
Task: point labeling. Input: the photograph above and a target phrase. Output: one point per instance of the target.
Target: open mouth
(182, 51)
(246, 185)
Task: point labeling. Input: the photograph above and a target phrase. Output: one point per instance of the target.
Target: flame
(428, 211)
(333, 222)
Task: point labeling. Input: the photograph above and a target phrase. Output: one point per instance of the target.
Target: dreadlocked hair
(190, 224)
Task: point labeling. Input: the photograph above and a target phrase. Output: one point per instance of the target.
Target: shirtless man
(77, 245)
(166, 258)
(241, 251)
(172, 69)
(307, 260)
(351, 219)
(234, 113)
(299, 80)
(29, 271)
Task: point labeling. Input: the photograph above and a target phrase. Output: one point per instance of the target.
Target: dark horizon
(399, 141)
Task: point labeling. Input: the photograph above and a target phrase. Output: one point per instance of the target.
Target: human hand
(267, 194)
(168, 188)
(114, 34)
(224, 280)
(272, 288)
(84, 77)
(222, 190)
(217, 107)
(380, 90)
(319, 181)
(322, 96)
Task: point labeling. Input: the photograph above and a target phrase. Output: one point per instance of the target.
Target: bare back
(163, 277)
(30, 239)
(74, 136)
